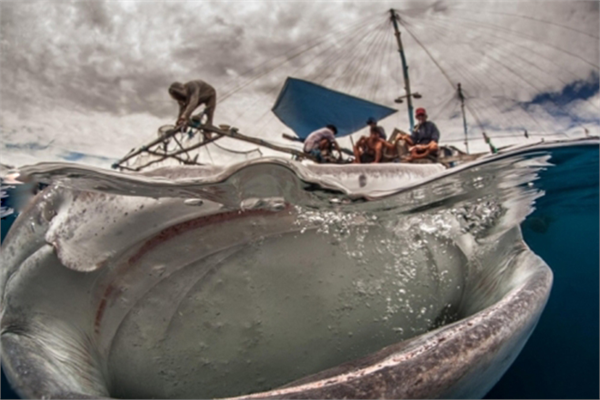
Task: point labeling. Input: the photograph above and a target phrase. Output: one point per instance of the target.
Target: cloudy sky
(86, 81)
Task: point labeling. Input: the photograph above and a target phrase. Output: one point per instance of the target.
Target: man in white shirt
(318, 144)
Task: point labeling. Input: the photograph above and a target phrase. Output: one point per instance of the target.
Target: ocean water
(561, 358)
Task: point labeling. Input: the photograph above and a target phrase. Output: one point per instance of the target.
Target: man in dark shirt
(424, 139)
(190, 96)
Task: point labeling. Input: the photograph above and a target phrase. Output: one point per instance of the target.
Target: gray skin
(93, 285)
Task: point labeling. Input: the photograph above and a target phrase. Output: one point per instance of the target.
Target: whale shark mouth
(270, 280)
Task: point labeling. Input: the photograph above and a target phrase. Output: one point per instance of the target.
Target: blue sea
(561, 359)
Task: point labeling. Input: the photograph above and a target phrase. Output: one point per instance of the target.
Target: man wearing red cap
(424, 139)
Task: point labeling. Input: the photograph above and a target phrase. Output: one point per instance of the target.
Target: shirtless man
(190, 96)
(369, 149)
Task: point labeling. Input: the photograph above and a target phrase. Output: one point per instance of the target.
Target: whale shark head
(270, 280)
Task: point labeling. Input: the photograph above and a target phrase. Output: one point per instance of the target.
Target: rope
(362, 66)
(479, 10)
(533, 39)
(440, 68)
(286, 60)
(473, 80)
(262, 97)
(529, 83)
(238, 151)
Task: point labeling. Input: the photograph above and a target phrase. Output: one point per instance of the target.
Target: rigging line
(359, 52)
(402, 22)
(380, 67)
(468, 76)
(377, 69)
(502, 125)
(506, 38)
(302, 65)
(529, 134)
(479, 10)
(352, 56)
(473, 78)
(374, 69)
(362, 65)
(457, 121)
(437, 28)
(335, 63)
(326, 67)
(489, 77)
(553, 76)
(515, 55)
(515, 135)
(355, 36)
(484, 109)
(254, 130)
(364, 69)
(438, 65)
(331, 67)
(236, 151)
(286, 60)
(318, 40)
(461, 71)
(531, 38)
(536, 88)
(389, 71)
(324, 64)
(266, 122)
(435, 114)
(270, 91)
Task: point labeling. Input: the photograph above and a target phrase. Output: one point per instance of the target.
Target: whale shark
(271, 279)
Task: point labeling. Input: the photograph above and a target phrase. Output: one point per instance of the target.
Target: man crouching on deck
(320, 142)
(190, 96)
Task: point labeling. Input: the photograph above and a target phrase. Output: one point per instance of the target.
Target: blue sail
(304, 107)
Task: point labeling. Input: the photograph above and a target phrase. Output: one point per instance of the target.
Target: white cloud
(91, 77)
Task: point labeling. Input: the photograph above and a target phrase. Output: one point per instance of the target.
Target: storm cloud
(73, 72)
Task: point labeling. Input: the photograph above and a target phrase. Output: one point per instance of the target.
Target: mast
(394, 17)
(462, 109)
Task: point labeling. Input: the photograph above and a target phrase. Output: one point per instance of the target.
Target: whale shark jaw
(129, 296)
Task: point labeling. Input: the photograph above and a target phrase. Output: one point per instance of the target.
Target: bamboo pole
(394, 17)
(233, 133)
(140, 150)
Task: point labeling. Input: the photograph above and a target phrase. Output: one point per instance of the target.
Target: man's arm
(407, 139)
(181, 108)
(192, 103)
(423, 150)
